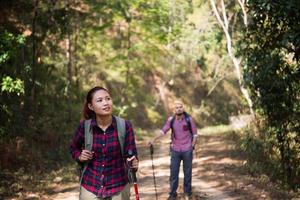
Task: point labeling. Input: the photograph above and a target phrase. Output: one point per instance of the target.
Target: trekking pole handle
(151, 149)
(133, 175)
(130, 153)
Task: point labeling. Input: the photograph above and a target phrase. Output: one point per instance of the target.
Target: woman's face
(101, 103)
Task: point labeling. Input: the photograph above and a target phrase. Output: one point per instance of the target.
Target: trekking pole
(133, 175)
(195, 152)
(151, 153)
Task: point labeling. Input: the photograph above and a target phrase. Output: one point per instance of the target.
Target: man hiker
(183, 140)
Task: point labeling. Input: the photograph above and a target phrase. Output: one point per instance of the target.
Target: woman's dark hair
(87, 113)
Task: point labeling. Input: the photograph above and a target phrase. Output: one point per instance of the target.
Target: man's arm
(159, 134)
(194, 140)
(162, 131)
(194, 131)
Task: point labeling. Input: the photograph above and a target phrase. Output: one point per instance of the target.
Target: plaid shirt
(106, 173)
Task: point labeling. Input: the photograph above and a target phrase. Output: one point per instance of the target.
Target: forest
(223, 58)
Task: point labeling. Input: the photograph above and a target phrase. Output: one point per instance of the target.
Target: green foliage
(9, 44)
(11, 83)
(272, 75)
(120, 45)
(263, 156)
(253, 147)
(12, 86)
(144, 52)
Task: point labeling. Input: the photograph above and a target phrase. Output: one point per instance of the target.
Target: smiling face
(101, 103)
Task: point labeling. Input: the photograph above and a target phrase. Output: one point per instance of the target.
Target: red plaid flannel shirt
(106, 173)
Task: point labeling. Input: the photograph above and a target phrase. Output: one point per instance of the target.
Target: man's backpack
(188, 121)
(88, 138)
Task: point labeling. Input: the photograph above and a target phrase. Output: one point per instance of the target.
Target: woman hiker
(105, 160)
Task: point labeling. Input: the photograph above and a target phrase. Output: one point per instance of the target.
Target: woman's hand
(134, 162)
(86, 155)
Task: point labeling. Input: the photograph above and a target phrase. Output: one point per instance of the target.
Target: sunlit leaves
(8, 44)
(12, 86)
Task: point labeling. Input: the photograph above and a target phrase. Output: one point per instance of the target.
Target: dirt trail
(208, 160)
(218, 174)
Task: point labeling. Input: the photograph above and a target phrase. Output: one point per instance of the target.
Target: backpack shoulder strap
(188, 121)
(88, 135)
(88, 142)
(121, 132)
(121, 128)
(172, 127)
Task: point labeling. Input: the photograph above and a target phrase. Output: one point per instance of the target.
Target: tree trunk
(128, 54)
(163, 93)
(127, 61)
(69, 50)
(236, 62)
(69, 55)
(32, 86)
(75, 74)
(71, 44)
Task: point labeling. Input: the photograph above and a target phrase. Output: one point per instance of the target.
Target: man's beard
(179, 114)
